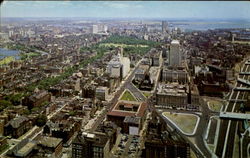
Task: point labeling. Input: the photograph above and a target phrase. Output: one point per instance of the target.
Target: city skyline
(128, 9)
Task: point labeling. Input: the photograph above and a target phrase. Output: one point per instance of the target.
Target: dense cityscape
(124, 88)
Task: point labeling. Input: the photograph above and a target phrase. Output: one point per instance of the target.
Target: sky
(125, 9)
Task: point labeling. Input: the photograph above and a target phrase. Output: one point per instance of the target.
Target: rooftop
(50, 142)
(140, 108)
(17, 121)
(175, 89)
(26, 149)
(131, 119)
(175, 42)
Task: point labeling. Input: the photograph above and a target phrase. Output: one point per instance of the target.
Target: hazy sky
(175, 9)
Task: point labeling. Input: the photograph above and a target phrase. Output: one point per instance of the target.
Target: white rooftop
(175, 42)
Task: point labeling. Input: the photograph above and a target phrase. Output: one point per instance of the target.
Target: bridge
(247, 63)
(242, 89)
(243, 81)
(244, 73)
(237, 100)
(233, 115)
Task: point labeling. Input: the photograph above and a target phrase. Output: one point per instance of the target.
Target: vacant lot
(215, 105)
(186, 122)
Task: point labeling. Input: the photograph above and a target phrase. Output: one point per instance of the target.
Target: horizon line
(201, 18)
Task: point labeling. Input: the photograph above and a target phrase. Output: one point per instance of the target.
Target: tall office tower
(164, 27)
(94, 29)
(105, 28)
(174, 58)
(145, 29)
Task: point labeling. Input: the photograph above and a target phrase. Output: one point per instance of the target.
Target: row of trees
(11, 100)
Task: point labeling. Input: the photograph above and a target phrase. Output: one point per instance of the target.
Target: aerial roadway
(229, 124)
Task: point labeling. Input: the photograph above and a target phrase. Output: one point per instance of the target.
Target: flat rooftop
(139, 106)
(175, 42)
(174, 89)
(26, 149)
(51, 142)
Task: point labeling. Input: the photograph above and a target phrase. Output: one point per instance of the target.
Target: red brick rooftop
(123, 113)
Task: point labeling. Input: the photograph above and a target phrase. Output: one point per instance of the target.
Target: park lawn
(32, 54)
(185, 122)
(7, 60)
(215, 105)
(4, 147)
(146, 94)
(29, 55)
(128, 96)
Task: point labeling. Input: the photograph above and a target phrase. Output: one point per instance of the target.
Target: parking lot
(127, 147)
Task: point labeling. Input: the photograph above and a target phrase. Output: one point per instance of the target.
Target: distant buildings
(4, 36)
(94, 29)
(164, 27)
(99, 29)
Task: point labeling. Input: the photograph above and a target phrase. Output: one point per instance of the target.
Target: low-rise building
(141, 72)
(17, 126)
(174, 75)
(37, 99)
(87, 145)
(50, 147)
(129, 115)
(88, 91)
(172, 95)
(160, 142)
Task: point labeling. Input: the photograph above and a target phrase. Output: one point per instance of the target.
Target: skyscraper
(94, 29)
(174, 54)
(164, 27)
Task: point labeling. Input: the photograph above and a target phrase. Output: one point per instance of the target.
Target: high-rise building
(164, 27)
(174, 54)
(94, 29)
(105, 28)
(11, 32)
